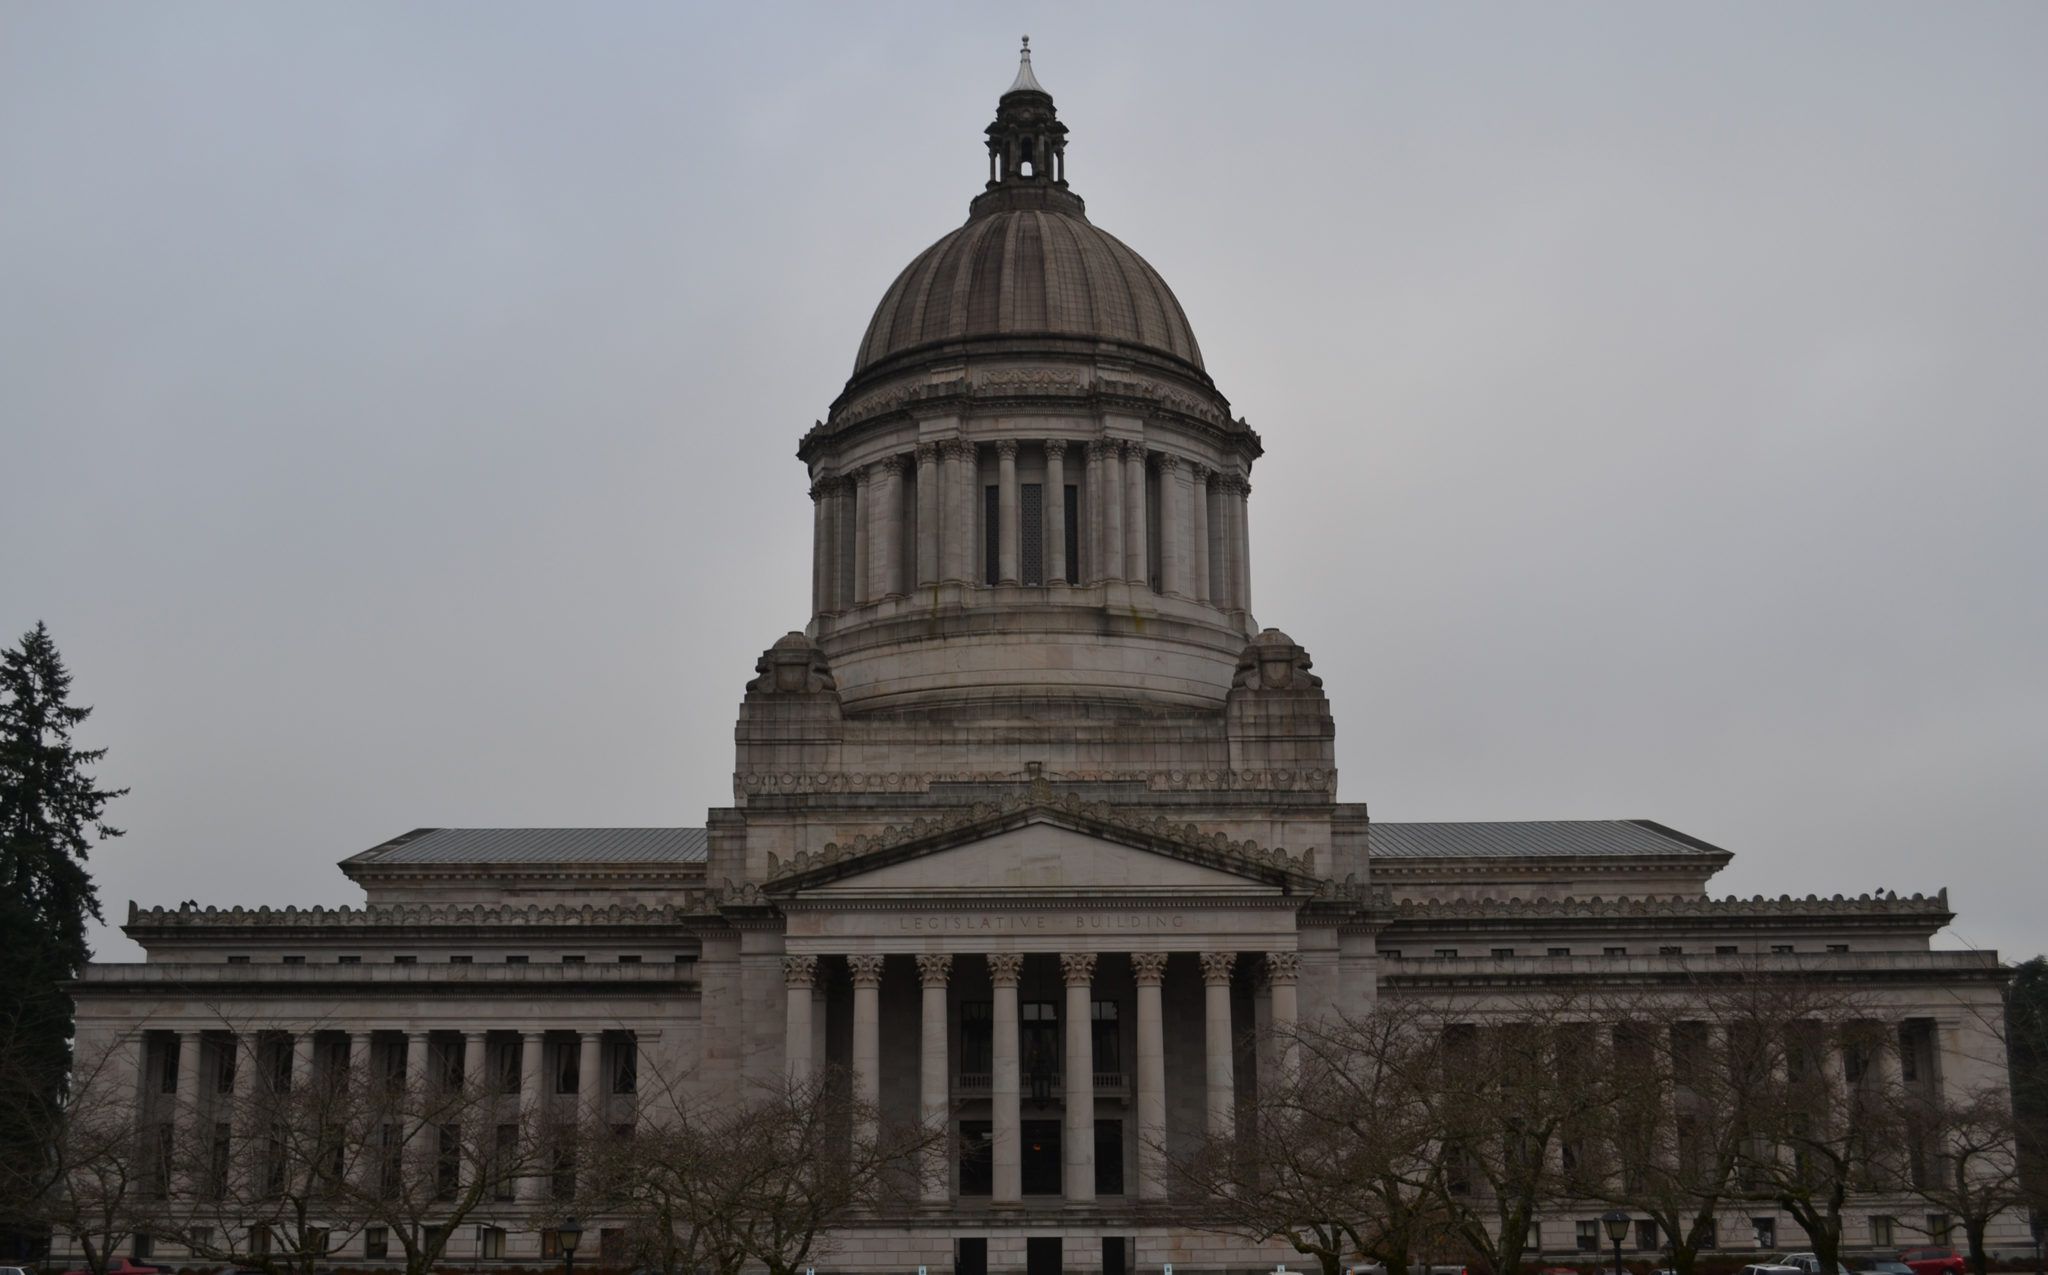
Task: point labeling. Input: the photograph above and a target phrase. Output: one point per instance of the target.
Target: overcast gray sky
(399, 400)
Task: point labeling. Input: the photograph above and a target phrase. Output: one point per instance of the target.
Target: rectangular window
(565, 1174)
(1781, 949)
(991, 534)
(1557, 951)
(1670, 951)
(970, 1255)
(1447, 951)
(1502, 953)
(1838, 947)
(1646, 1236)
(294, 960)
(405, 960)
(348, 960)
(376, 1242)
(1881, 1232)
(1724, 949)
(1710, 1232)
(551, 1243)
(977, 1158)
(1071, 529)
(1390, 953)
(1614, 951)
(1031, 551)
(1106, 1040)
(626, 1065)
(1589, 1234)
(504, 1158)
(167, 1066)
(462, 960)
(1766, 1231)
(493, 1242)
(217, 1161)
(572, 960)
(259, 1240)
(565, 1067)
(611, 1244)
(198, 1240)
(141, 1246)
(1938, 1228)
(238, 960)
(977, 1034)
(448, 1162)
(629, 958)
(516, 959)
(1109, 1157)
(433, 1237)
(316, 1241)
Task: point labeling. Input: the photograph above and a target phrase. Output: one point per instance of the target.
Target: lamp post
(571, 1231)
(1616, 1223)
(2036, 1222)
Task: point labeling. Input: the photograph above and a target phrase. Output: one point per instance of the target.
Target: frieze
(1314, 780)
(380, 915)
(1040, 798)
(1060, 381)
(1888, 904)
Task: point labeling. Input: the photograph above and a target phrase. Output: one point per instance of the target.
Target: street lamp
(571, 1231)
(1616, 1223)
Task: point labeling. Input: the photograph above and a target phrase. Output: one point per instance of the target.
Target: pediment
(1044, 847)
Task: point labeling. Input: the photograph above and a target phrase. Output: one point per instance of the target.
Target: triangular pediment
(1044, 847)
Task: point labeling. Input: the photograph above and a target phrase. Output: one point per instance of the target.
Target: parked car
(1771, 1268)
(1886, 1268)
(1938, 1260)
(120, 1266)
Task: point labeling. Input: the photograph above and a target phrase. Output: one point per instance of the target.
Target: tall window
(626, 1064)
(977, 1028)
(504, 1159)
(565, 1067)
(1070, 527)
(1104, 1037)
(1881, 1233)
(1039, 1041)
(448, 1162)
(991, 534)
(1032, 550)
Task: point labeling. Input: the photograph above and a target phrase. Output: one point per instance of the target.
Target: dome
(1023, 272)
(1028, 263)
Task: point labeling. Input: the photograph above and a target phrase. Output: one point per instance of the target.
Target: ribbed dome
(1023, 272)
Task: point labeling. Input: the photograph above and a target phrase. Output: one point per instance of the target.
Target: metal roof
(541, 845)
(1541, 838)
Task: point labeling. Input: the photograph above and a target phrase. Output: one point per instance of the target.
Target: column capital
(1216, 967)
(1283, 968)
(867, 969)
(933, 968)
(799, 971)
(821, 489)
(958, 448)
(1102, 448)
(1055, 447)
(1149, 967)
(1078, 968)
(1006, 448)
(1169, 464)
(1132, 448)
(1004, 968)
(1199, 473)
(861, 477)
(927, 454)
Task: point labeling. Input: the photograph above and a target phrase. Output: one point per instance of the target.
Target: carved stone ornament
(799, 971)
(1078, 968)
(1216, 966)
(1274, 662)
(1055, 447)
(793, 666)
(1283, 969)
(1004, 968)
(933, 968)
(1149, 968)
(1311, 779)
(1169, 464)
(1006, 448)
(867, 969)
(927, 454)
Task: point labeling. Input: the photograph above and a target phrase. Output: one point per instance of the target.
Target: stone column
(927, 514)
(888, 533)
(359, 1058)
(1055, 511)
(798, 973)
(1222, 1074)
(1219, 540)
(590, 1085)
(821, 545)
(934, 1084)
(1243, 517)
(838, 500)
(957, 543)
(1005, 1081)
(867, 1042)
(1283, 975)
(1109, 493)
(1136, 569)
(1007, 533)
(473, 1062)
(531, 1064)
(1198, 533)
(1173, 529)
(863, 514)
(1078, 1142)
(1150, 970)
(482, 1132)
(416, 1061)
(302, 1060)
(185, 1113)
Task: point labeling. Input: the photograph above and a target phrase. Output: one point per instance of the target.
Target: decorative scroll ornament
(1004, 968)
(1149, 968)
(799, 971)
(1216, 966)
(1078, 968)
(933, 968)
(1283, 969)
(867, 969)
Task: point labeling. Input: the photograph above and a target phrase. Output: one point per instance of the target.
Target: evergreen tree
(51, 809)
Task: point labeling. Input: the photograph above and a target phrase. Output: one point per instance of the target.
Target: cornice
(1318, 780)
(160, 921)
(1915, 906)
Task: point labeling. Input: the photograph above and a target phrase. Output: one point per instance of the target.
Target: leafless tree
(101, 1168)
(1974, 1174)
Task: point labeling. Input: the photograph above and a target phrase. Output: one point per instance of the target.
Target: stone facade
(1030, 798)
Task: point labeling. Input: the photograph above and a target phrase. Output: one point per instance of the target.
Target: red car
(1932, 1261)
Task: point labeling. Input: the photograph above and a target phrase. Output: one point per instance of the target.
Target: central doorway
(1041, 1158)
(1042, 1255)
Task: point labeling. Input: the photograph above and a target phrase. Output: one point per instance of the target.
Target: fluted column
(185, 1113)
(1136, 569)
(863, 534)
(927, 514)
(821, 545)
(302, 1060)
(1218, 541)
(473, 1047)
(1109, 493)
(531, 1064)
(1173, 528)
(1078, 968)
(416, 1061)
(1244, 544)
(1054, 519)
(1008, 531)
(957, 542)
(359, 1058)
(838, 499)
(1198, 532)
(934, 1082)
(590, 1078)
(1283, 976)
(867, 1042)
(1006, 1140)
(798, 973)
(1222, 1088)
(888, 534)
(1150, 971)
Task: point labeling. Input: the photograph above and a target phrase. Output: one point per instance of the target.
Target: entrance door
(1041, 1158)
(1042, 1255)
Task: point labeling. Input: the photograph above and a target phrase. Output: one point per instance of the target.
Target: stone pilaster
(867, 1041)
(1222, 1086)
(1107, 479)
(1149, 968)
(864, 590)
(1198, 533)
(1008, 530)
(821, 546)
(1055, 512)
(1006, 1080)
(1283, 978)
(928, 495)
(957, 543)
(1136, 567)
(1173, 528)
(888, 533)
(1078, 1143)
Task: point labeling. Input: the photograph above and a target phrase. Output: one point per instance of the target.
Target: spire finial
(1025, 79)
